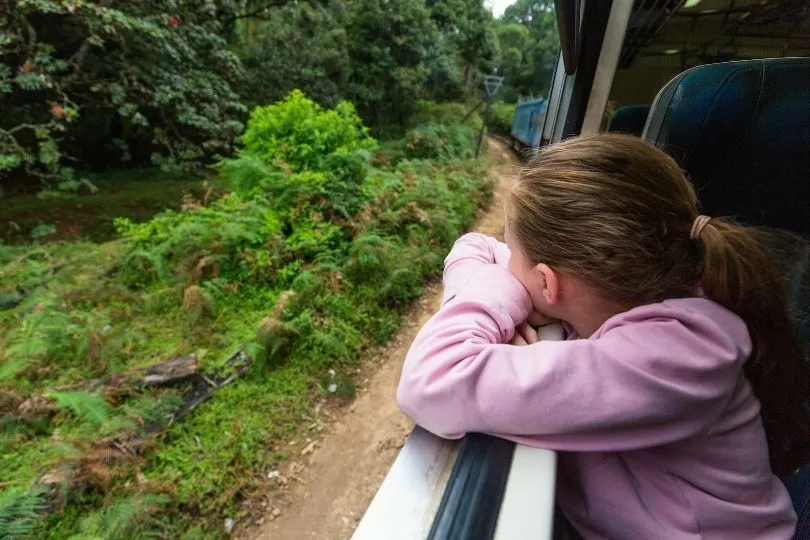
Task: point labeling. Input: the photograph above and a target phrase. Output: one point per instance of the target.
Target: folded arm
(468, 254)
(640, 383)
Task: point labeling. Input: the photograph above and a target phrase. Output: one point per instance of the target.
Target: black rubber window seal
(472, 499)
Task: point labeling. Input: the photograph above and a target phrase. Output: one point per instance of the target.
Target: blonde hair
(616, 212)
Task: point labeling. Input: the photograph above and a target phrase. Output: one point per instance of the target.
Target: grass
(275, 269)
(135, 194)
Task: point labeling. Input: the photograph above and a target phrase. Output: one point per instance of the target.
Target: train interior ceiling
(666, 37)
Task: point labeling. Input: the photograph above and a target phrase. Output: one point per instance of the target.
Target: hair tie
(698, 225)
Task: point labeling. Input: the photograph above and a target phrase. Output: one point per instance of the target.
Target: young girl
(677, 393)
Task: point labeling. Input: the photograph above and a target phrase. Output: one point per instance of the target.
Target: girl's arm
(469, 252)
(651, 376)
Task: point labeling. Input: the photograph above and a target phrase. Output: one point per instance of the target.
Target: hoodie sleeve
(653, 376)
(468, 253)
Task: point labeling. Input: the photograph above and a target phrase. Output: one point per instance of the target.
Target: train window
(569, 17)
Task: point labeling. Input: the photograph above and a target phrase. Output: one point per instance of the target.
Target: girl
(676, 395)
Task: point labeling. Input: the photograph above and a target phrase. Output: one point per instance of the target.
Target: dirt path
(331, 491)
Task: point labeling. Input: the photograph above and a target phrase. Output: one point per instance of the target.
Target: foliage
(20, 510)
(301, 46)
(114, 82)
(431, 112)
(91, 85)
(499, 117)
(310, 260)
(130, 517)
(188, 245)
(440, 141)
(90, 409)
(466, 50)
(381, 55)
(301, 168)
(304, 136)
(528, 39)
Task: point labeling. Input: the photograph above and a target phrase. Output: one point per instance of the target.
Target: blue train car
(527, 124)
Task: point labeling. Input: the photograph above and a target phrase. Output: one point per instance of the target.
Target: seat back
(629, 119)
(741, 130)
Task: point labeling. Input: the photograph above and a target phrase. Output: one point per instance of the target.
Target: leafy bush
(206, 242)
(300, 133)
(309, 160)
(440, 141)
(432, 112)
(499, 118)
(297, 181)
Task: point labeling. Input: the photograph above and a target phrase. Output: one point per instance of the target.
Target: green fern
(142, 267)
(92, 410)
(24, 345)
(153, 409)
(20, 512)
(130, 518)
(10, 367)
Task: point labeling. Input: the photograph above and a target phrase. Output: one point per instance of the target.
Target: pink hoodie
(658, 430)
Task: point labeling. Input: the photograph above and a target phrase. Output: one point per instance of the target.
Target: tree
(298, 46)
(527, 34)
(529, 12)
(95, 84)
(390, 42)
(469, 29)
(115, 82)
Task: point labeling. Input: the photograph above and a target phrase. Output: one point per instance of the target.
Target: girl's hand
(538, 319)
(525, 334)
(530, 331)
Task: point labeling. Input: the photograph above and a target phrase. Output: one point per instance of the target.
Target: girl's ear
(550, 283)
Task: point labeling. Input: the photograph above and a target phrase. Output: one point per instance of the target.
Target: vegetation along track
(324, 492)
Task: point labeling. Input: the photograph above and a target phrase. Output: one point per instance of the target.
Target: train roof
(708, 31)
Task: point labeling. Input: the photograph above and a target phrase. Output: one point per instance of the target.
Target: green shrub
(228, 237)
(300, 133)
(20, 509)
(440, 141)
(499, 118)
(432, 112)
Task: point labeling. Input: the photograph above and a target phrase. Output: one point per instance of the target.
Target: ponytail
(740, 274)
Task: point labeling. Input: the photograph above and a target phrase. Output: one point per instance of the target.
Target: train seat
(629, 119)
(742, 132)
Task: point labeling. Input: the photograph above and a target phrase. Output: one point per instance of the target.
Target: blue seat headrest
(741, 131)
(629, 119)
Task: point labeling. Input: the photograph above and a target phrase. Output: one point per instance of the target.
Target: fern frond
(9, 368)
(91, 409)
(127, 518)
(151, 409)
(20, 511)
